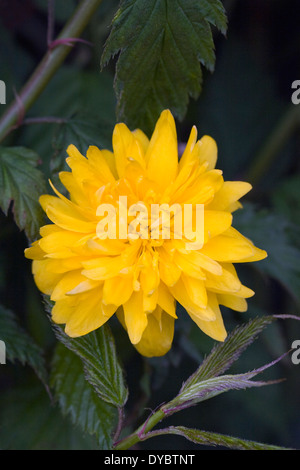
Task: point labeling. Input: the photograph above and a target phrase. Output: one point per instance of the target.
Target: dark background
(244, 104)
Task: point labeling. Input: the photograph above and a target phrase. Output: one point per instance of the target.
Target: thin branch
(45, 120)
(37, 120)
(48, 66)
(141, 432)
(120, 424)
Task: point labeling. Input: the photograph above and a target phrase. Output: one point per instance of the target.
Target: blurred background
(246, 106)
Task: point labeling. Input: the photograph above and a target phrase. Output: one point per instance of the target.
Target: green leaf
(101, 366)
(207, 383)
(21, 183)
(29, 421)
(223, 355)
(214, 439)
(210, 388)
(19, 345)
(162, 44)
(77, 398)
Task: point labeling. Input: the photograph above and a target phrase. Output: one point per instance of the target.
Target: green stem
(274, 144)
(47, 67)
(141, 433)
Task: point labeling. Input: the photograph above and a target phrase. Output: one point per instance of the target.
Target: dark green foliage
(162, 45)
(213, 439)
(21, 185)
(101, 366)
(19, 345)
(77, 398)
(65, 393)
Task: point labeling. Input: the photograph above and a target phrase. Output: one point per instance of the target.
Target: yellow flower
(90, 277)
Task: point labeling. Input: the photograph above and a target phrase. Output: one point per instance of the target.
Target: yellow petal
(215, 328)
(61, 243)
(187, 156)
(196, 261)
(111, 161)
(99, 164)
(65, 216)
(229, 193)
(228, 281)
(122, 140)
(105, 267)
(49, 229)
(231, 301)
(186, 264)
(35, 251)
(149, 276)
(157, 337)
(73, 152)
(162, 153)
(84, 211)
(208, 152)
(196, 290)
(126, 149)
(135, 318)
(82, 313)
(169, 272)
(202, 190)
(150, 301)
(232, 247)
(101, 247)
(44, 278)
(245, 292)
(142, 138)
(84, 286)
(79, 310)
(69, 282)
(149, 279)
(63, 265)
(81, 169)
(117, 290)
(87, 314)
(63, 310)
(77, 194)
(180, 293)
(257, 255)
(215, 223)
(166, 300)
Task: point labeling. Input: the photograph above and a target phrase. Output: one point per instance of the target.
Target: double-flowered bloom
(90, 277)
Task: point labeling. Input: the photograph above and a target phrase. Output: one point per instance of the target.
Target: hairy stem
(47, 67)
(141, 433)
(44, 120)
(120, 423)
